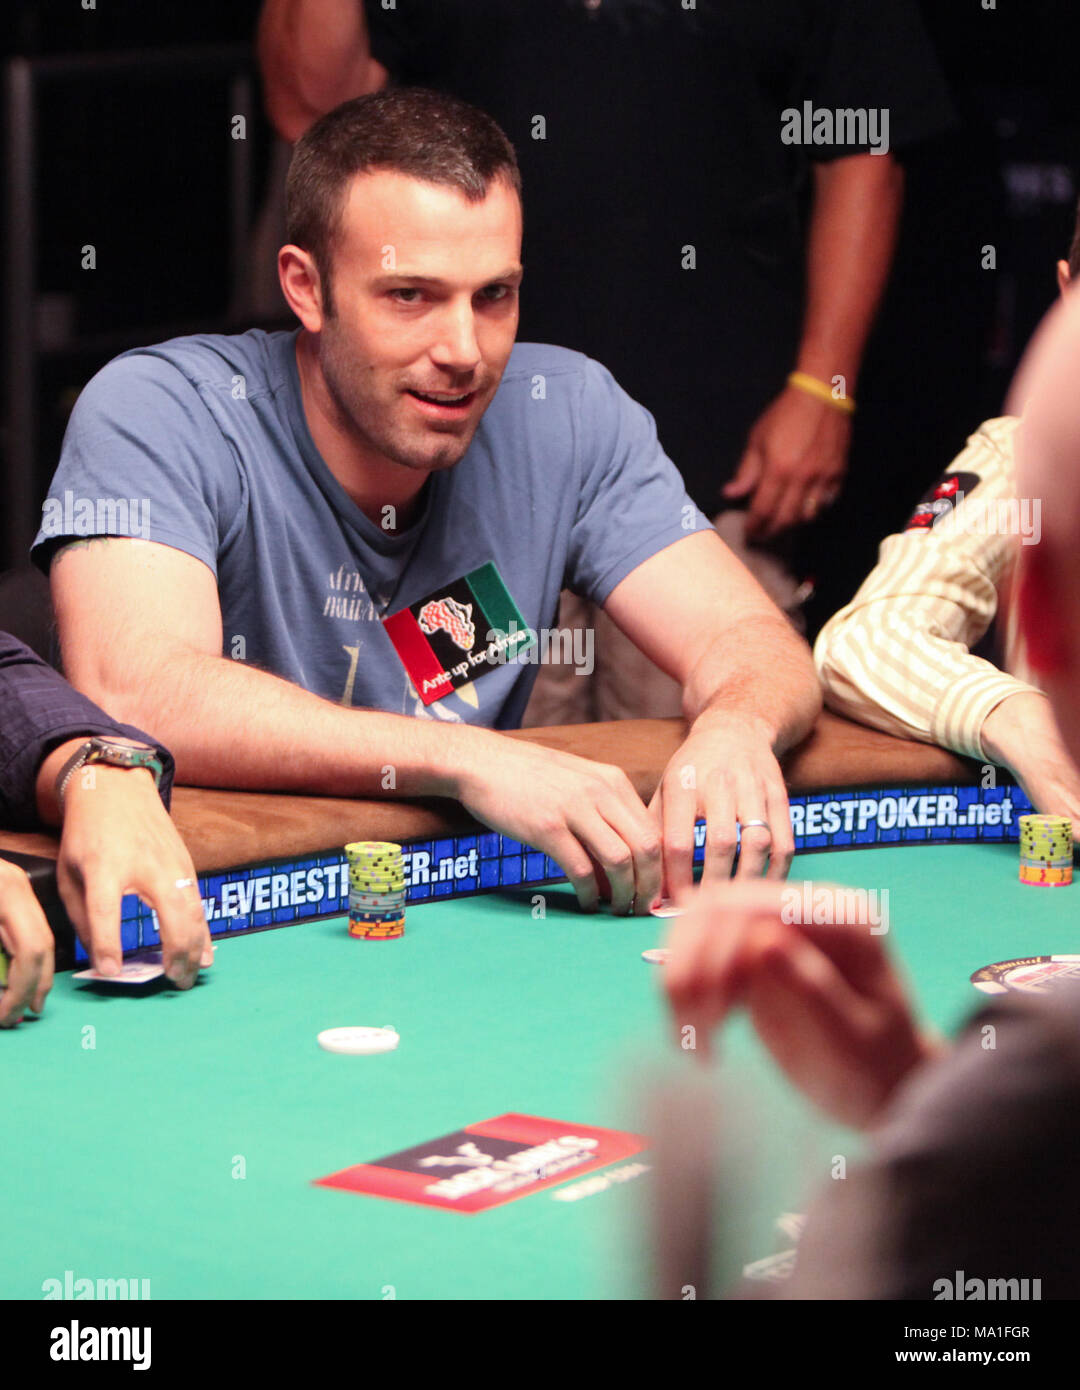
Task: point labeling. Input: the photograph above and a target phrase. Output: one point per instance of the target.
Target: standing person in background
(713, 196)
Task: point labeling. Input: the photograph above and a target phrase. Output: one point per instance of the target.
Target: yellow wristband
(821, 391)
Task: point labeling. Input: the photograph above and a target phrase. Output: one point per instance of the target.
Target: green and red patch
(462, 631)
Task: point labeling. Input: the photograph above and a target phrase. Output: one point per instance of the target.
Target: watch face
(125, 753)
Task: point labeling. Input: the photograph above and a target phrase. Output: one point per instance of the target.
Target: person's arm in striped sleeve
(898, 655)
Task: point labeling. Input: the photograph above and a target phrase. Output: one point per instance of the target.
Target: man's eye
(493, 293)
(405, 295)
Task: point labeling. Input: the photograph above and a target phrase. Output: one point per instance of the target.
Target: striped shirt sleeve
(897, 656)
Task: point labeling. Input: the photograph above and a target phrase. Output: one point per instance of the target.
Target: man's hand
(117, 838)
(726, 772)
(1021, 734)
(585, 815)
(27, 940)
(825, 1000)
(793, 465)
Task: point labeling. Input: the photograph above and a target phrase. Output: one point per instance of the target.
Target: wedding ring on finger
(184, 883)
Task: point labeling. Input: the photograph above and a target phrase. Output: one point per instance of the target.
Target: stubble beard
(364, 419)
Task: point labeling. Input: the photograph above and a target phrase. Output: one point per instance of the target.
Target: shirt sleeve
(896, 657)
(38, 710)
(970, 1175)
(876, 56)
(631, 500)
(142, 457)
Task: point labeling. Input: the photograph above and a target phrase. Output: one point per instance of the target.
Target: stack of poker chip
(376, 890)
(1046, 851)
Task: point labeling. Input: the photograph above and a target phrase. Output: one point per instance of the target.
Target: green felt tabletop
(175, 1137)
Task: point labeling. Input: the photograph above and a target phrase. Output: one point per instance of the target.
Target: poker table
(179, 1138)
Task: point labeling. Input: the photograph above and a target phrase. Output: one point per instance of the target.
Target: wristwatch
(112, 752)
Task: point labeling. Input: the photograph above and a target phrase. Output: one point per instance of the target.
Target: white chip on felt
(359, 1042)
(659, 956)
(667, 908)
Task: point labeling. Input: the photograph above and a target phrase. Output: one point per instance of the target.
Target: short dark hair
(1074, 249)
(428, 135)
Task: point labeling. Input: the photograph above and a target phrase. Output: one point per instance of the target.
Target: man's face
(425, 290)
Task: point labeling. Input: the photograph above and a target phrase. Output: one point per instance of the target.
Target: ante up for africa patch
(488, 1163)
(460, 632)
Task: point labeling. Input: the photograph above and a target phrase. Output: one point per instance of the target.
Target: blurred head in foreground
(1047, 393)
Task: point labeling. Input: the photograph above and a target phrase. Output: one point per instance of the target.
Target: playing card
(132, 972)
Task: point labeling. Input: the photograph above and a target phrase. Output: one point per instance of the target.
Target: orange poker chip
(1046, 877)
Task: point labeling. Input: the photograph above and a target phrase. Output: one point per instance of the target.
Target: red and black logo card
(489, 1163)
(943, 497)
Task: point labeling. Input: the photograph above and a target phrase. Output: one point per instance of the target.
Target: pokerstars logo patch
(943, 497)
(488, 1163)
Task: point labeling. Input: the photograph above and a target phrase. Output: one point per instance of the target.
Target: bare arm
(227, 724)
(796, 455)
(313, 54)
(698, 612)
(853, 229)
(749, 692)
(141, 631)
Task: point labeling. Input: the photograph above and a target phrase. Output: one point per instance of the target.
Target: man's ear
(1064, 279)
(1041, 612)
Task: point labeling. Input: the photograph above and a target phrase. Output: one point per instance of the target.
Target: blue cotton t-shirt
(201, 443)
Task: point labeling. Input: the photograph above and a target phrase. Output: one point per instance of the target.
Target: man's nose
(456, 347)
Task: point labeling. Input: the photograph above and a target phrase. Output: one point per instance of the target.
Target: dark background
(139, 166)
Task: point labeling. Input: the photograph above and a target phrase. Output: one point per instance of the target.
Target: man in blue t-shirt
(269, 548)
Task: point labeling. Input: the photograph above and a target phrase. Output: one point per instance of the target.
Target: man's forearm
(852, 236)
(231, 725)
(763, 677)
(313, 54)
